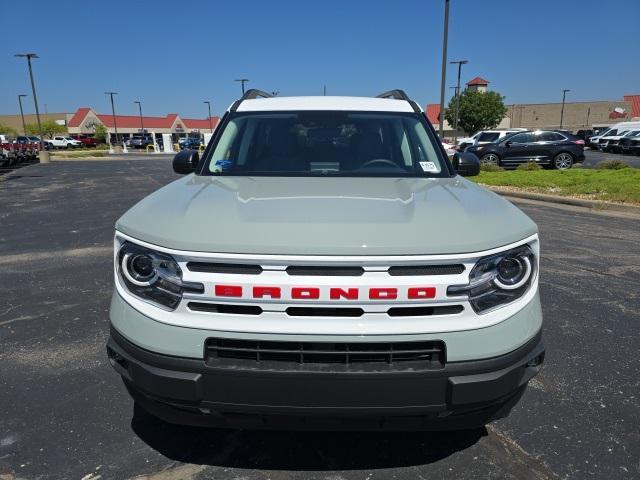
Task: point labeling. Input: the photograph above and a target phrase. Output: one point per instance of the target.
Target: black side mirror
(186, 161)
(507, 143)
(466, 164)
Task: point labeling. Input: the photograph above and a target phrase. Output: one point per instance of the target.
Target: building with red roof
(85, 120)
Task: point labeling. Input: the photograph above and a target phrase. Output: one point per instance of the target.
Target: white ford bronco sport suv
(325, 266)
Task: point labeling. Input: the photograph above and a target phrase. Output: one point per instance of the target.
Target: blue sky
(174, 55)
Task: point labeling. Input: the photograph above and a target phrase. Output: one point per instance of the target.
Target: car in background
(464, 142)
(606, 142)
(191, 143)
(614, 130)
(140, 141)
(632, 146)
(87, 141)
(547, 148)
(62, 142)
(488, 136)
(28, 146)
(585, 134)
(622, 145)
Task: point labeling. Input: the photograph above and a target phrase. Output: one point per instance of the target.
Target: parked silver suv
(324, 266)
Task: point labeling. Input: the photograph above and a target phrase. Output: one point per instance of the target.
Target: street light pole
(44, 156)
(564, 93)
(209, 107)
(24, 126)
(113, 113)
(242, 81)
(455, 127)
(444, 65)
(141, 122)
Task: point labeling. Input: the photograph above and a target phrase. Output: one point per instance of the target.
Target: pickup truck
(63, 142)
(324, 265)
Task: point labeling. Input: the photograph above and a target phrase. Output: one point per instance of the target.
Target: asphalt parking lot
(64, 412)
(594, 157)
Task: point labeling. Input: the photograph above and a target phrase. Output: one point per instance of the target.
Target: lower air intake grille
(426, 353)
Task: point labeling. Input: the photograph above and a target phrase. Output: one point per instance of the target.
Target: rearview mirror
(185, 162)
(466, 164)
(507, 143)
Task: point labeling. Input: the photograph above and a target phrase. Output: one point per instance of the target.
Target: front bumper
(459, 395)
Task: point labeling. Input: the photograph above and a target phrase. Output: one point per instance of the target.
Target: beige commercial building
(576, 115)
(15, 121)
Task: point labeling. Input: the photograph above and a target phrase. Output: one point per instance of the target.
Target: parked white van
(614, 130)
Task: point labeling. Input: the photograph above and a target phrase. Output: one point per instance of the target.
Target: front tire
(563, 161)
(490, 159)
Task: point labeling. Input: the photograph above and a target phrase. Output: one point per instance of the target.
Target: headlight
(498, 279)
(153, 276)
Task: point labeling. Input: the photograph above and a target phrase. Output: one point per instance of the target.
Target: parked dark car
(627, 144)
(548, 148)
(140, 142)
(191, 143)
(585, 134)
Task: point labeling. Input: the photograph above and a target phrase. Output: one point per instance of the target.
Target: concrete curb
(578, 202)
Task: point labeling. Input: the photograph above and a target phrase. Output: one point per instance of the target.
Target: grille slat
(426, 353)
(401, 270)
(325, 271)
(237, 268)
(225, 308)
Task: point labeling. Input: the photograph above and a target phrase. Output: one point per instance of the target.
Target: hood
(325, 216)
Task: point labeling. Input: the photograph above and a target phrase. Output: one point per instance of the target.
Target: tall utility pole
(113, 112)
(324, 90)
(44, 155)
(444, 65)
(242, 81)
(24, 126)
(141, 122)
(564, 93)
(209, 106)
(455, 126)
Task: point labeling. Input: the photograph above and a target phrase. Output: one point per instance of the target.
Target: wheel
(490, 159)
(563, 161)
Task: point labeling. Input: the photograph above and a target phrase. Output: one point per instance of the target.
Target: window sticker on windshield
(222, 166)
(429, 167)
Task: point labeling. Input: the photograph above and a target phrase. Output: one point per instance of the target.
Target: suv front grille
(429, 354)
(330, 270)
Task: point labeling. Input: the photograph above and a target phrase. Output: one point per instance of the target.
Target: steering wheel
(382, 161)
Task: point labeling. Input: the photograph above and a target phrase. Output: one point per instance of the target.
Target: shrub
(612, 165)
(529, 166)
(490, 167)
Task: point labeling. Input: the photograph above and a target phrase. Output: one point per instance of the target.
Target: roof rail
(254, 93)
(250, 94)
(398, 94)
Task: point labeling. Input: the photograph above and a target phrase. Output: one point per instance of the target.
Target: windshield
(489, 136)
(310, 143)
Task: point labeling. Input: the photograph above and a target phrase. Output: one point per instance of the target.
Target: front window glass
(311, 143)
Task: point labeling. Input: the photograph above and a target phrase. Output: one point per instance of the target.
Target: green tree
(49, 129)
(477, 111)
(7, 130)
(100, 133)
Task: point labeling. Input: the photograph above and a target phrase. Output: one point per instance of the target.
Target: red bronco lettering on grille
(335, 293)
